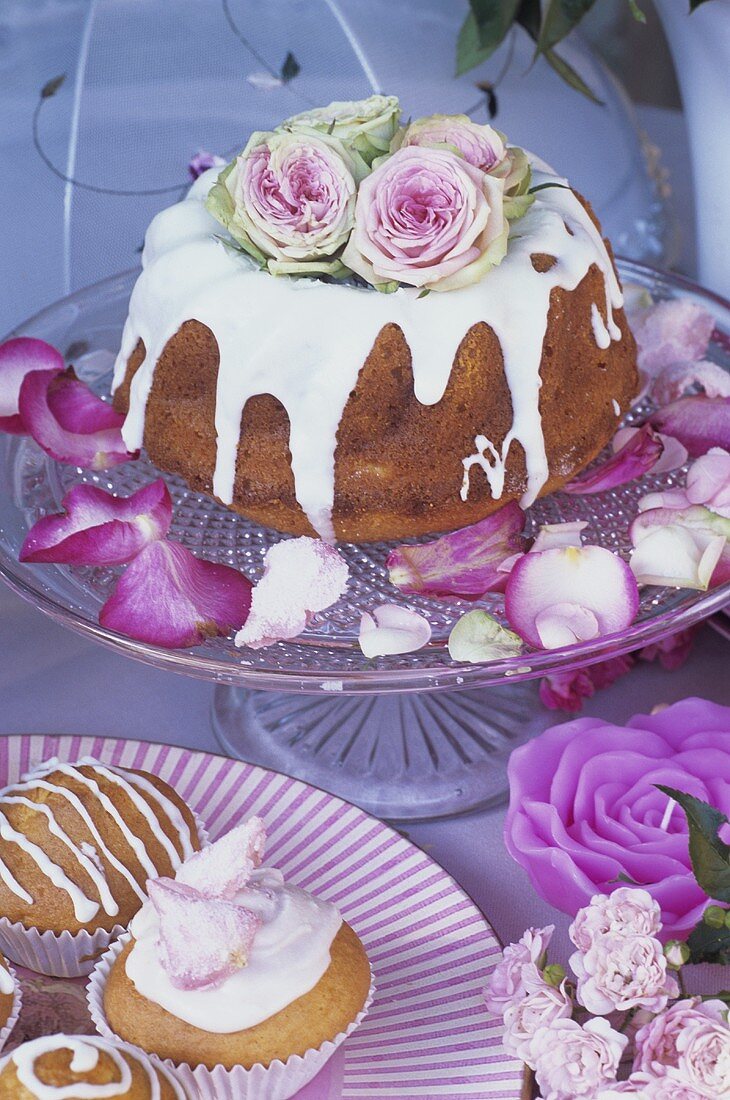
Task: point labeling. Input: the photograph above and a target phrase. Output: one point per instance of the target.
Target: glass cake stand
(406, 737)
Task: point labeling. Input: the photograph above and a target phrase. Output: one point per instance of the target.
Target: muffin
(231, 970)
(10, 1001)
(54, 1064)
(78, 842)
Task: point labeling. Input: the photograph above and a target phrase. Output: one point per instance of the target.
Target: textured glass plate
(87, 327)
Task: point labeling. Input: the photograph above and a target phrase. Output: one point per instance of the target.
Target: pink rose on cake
(289, 201)
(364, 126)
(427, 218)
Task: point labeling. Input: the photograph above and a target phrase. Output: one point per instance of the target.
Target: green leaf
(493, 19)
(622, 877)
(290, 68)
(469, 52)
(422, 294)
(709, 945)
(570, 76)
(694, 4)
(559, 19)
(637, 12)
(544, 186)
(709, 854)
(51, 87)
(529, 17)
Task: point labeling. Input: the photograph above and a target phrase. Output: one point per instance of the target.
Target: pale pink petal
(59, 411)
(636, 457)
(670, 498)
(203, 941)
(672, 457)
(700, 423)
(679, 378)
(168, 597)
(100, 529)
(392, 629)
(301, 577)
(555, 593)
(556, 536)
(17, 358)
(464, 563)
(671, 332)
(683, 549)
(225, 867)
(708, 481)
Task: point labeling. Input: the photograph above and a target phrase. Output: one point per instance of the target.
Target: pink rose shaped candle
(584, 806)
(427, 218)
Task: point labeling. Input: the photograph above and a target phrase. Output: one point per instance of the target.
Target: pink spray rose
(628, 911)
(506, 984)
(656, 1042)
(289, 200)
(620, 972)
(584, 807)
(541, 1005)
(573, 1061)
(428, 218)
(703, 1046)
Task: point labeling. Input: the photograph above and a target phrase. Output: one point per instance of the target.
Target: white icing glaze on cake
(305, 341)
(290, 953)
(7, 985)
(87, 855)
(85, 1051)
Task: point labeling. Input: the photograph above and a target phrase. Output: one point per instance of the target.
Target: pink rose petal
(700, 423)
(678, 378)
(670, 498)
(392, 629)
(69, 422)
(552, 536)
(686, 548)
(168, 597)
(559, 597)
(672, 457)
(203, 941)
(100, 529)
(567, 690)
(636, 457)
(17, 358)
(301, 577)
(671, 332)
(463, 563)
(225, 867)
(708, 481)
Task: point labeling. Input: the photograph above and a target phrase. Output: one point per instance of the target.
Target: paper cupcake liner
(14, 1011)
(64, 954)
(277, 1081)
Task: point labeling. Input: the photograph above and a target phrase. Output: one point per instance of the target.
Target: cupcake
(78, 842)
(85, 1065)
(244, 982)
(10, 1001)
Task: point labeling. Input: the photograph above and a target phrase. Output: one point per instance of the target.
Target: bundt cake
(383, 384)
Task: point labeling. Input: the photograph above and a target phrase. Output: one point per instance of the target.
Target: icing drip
(290, 953)
(7, 985)
(305, 341)
(88, 856)
(85, 1052)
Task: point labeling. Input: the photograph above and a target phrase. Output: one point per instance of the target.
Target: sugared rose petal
(17, 358)
(557, 536)
(674, 453)
(708, 481)
(700, 423)
(100, 529)
(224, 868)
(676, 380)
(392, 629)
(463, 563)
(671, 332)
(684, 549)
(301, 577)
(560, 597)
(636, 457)
(477, 637)
(203, 940)
(69, 422)
(168, 597)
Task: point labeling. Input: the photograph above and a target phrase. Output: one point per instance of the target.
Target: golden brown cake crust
(307, 1022)
(398, 464)
(53, 1068)
(52, 907)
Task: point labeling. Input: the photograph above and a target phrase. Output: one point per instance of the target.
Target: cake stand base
(405, 757)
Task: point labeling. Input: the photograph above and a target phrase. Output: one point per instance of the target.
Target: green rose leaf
(710, 855)
(50, 88)
(570, 76)
(710, 945)
(559, 19)
(290, 68)
(493, 19)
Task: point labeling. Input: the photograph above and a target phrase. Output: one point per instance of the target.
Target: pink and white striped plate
(428, 1033)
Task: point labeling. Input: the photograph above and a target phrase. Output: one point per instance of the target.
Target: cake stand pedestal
(404, 757)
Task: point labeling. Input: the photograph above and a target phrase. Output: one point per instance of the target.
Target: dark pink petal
(671, 332)
(17, 358)
(567, 690)
(708, 481)
(168, 597)
(673, 455)
(637, 456)
(60, 412)
(100, 529)
(676, 379)
(559, 597)
(224, 868)
(671, 652)
(700, 423)
(203, 941)
(463, 563)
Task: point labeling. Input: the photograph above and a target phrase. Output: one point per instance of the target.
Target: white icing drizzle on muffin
(7, 984)
(89, 855)
(305, 341)
(85, 1051)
